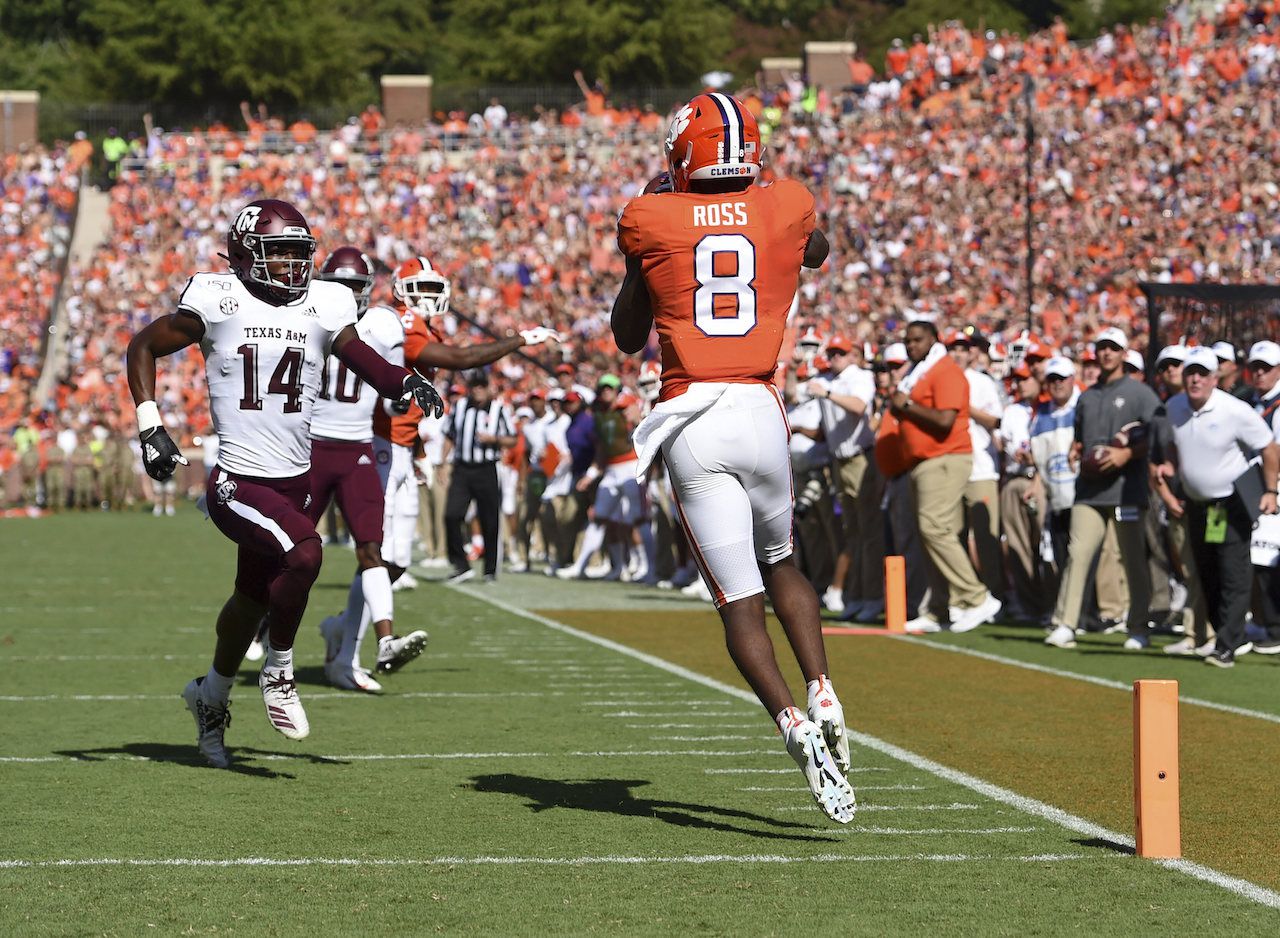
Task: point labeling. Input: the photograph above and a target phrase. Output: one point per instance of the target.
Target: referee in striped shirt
(479, 429)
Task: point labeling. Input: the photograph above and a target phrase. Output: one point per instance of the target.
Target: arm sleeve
(372, 367)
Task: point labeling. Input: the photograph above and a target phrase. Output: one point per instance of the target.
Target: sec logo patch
(229, 306)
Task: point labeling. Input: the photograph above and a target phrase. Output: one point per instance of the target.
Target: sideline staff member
(1211, 431)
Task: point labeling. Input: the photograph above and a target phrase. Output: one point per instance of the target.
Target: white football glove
(539, 334)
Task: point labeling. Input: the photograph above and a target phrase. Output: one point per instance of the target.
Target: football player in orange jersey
(714, 264)
(423, 295)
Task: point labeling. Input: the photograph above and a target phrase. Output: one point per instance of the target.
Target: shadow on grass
(172, 754)
(1102, 843)
(614, 796)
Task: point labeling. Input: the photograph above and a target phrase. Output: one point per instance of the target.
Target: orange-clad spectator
(932, 405)
(896, 59)
(302, 131)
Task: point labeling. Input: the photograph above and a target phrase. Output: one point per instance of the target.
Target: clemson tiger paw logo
(678, 125)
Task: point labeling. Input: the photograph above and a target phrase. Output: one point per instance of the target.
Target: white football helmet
(421, 287)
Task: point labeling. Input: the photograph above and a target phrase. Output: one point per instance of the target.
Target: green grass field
(594, 766)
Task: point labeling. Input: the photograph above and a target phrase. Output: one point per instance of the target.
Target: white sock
(361, 628)
(788, 718)
(377, 592)
(216, 687)
(279, 659)
(823, 683)
(650, 547)
(592, 538)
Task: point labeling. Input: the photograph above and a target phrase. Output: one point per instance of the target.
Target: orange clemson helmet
(713, 137)
(421, 287)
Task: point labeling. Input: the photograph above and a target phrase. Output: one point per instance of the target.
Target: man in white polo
(1212, 434)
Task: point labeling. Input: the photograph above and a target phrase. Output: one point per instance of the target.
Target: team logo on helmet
(421, 287)
(713, 137)
(269, 246)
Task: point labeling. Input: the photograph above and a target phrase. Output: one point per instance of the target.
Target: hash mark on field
(861, 788)
(695, 860)
(955, 806)
(711, 739)
(784, 771)
(691, 726)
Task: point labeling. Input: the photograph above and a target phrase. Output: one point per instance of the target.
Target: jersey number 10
(740, 285)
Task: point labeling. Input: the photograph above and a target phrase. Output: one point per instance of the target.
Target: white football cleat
(331, 631)
(212, 721)
(830, 789)
(394, 652)
(346, 677)
(284, 709)
(825, 710)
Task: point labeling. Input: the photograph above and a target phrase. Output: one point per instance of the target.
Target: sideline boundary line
(1077, 676)
(1240, 887)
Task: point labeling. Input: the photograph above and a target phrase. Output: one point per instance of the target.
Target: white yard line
(1086, 678)
(852, 771)
(1240, 887)
(688, 859)
(322, 695)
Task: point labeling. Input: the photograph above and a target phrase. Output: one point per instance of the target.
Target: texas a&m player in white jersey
(265, 330)
(423, 293)
(342, 467)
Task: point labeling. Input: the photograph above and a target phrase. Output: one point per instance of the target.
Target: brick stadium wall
(827, 63)
(775, 70)
(406, 98)
(19, 119)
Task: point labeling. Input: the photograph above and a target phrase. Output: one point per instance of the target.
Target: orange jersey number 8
(740, 284)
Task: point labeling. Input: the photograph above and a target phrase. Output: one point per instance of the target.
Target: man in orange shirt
(713, 262)
(932, 405)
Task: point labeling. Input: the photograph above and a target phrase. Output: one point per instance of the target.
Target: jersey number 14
(286, 380)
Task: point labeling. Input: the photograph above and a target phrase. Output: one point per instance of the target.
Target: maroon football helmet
(352, 268)
(267, 234)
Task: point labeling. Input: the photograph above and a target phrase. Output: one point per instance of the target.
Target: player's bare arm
(928, 418)
(391, 380)
(164, 336)
(632, 317)
(816, 250)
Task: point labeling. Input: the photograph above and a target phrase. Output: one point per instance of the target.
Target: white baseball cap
(1112, 335)
(1201, 357)
(1133, 358)
(1059, 367)
(1172, 353)
(1225, 351)
(895, 354)
(1266, 351)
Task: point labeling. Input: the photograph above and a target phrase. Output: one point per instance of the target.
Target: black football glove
(401, 406)
(160, 456)
(425, 395)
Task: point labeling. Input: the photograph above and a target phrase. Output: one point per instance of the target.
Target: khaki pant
(1110, 584)
(937, 489)
(982, 519)
(431, 500)
(861, 490)
(1022, 533)
(1089, 526)
(570, 514)
(1195, 614)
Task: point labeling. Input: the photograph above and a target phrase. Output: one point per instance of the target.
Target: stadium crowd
(1152, 159)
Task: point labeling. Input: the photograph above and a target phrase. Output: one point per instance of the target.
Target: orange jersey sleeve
(402, 429)
(722, 271)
